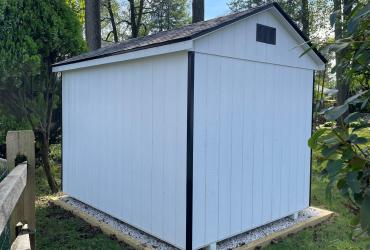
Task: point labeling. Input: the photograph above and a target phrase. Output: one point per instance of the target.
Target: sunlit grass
(59, 229)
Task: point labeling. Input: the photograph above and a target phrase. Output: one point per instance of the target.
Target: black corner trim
(189, 153)
(312, 122)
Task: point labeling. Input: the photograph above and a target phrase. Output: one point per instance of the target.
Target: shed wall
(238, 40)
(251, 159)
(124, 142)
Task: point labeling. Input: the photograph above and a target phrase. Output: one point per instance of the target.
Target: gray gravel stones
(118, 225)
(153, 242)
(265, 230)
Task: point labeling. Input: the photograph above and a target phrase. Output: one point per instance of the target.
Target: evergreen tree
(33, 36)
(168, 14)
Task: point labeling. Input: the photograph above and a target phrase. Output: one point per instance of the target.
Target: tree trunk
(112, 21)
(46, 163)
(134, 30)
(198, 10)
(136, 14)
(92, 24)
(305, 18)
(339, 71)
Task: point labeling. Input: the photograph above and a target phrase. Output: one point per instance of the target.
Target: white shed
(196, 134)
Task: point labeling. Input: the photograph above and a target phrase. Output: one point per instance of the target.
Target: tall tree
(139, 18)
(28, 88)
(92, 24)
(111, 9)
(168, 14)
(136, 16)
(78, 7)
(305, 18)
(339, 72)
(198, 11)
(340, 17)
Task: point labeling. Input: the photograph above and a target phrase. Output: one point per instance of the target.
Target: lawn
(334, 234)
(58, 229)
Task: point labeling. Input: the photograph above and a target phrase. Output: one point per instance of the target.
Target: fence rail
(17, 191)
(11, 189)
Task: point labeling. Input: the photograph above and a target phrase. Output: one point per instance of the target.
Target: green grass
(334, 234)
(58, 229)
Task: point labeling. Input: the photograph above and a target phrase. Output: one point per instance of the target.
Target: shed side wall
(124, 142)
(251, 159)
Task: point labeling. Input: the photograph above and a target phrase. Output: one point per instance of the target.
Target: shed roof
(188, 32)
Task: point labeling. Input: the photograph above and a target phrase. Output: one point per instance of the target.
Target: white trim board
(160, 50)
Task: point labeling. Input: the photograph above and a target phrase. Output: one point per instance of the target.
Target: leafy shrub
(345, 156)
(55, 154)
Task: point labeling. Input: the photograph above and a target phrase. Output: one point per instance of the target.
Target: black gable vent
(266, 34)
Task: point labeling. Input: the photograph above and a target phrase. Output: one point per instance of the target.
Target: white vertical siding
(238, 40)
(124, 142)
(251, 159)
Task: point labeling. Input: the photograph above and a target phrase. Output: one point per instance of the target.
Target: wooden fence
(17, 191)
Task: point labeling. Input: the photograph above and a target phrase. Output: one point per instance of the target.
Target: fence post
(23, 143)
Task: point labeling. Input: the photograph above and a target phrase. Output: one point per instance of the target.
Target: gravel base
(265, 230)
(230, 243)
(118, 225)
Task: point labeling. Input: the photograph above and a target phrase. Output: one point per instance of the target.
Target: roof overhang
(137, 54)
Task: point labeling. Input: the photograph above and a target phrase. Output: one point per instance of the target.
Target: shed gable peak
(265, 37)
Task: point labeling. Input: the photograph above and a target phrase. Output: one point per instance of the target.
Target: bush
(55, 154)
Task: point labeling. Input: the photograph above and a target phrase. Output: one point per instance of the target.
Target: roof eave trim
(186, 45)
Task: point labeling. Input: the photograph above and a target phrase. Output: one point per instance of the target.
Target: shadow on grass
(335, 234)
(60, 229)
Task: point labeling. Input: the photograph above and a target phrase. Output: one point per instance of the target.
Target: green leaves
(333, 17)
(313, 141)
(355, 97)
(352, 117)
(334, 166)
(338, 46)
(343, 147)
(357, 16)
(328, 151)
(355, 139)
(336, 112)
(365, 214)
(353, 182)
